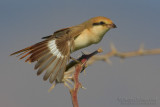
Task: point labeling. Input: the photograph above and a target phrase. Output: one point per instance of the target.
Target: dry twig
(115, 53)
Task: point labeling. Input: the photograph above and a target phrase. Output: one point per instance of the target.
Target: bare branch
(115, 53)
(77, 85)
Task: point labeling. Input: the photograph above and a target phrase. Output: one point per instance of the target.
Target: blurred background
(133, 82)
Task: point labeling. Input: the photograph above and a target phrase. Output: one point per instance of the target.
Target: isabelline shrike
(53, 53)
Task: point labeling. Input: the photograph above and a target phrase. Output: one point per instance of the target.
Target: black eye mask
(99, 23)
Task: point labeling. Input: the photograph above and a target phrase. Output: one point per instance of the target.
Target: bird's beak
(113, 26)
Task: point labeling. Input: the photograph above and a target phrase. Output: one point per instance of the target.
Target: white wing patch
(54, 50)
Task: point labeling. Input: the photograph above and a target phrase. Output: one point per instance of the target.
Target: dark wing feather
(58, 33)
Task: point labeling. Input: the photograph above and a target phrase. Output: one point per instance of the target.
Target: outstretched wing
(52, 54)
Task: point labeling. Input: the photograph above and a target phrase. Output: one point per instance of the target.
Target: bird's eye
(98, 23)
(101, 23)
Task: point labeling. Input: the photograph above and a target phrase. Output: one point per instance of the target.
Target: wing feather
(53, 53)
(61, 72)
(45, 64)
(53, 75)
(52, 68)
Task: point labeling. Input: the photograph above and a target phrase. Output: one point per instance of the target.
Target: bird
(53, 53)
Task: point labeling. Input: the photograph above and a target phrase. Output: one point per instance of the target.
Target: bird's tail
(33, 51)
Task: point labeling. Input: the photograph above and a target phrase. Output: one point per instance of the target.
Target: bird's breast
(82, 41)
(88, 37)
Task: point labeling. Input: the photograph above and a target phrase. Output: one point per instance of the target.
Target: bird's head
(99, 26)
(104, 22)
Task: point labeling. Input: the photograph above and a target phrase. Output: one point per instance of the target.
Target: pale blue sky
(24, 22)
